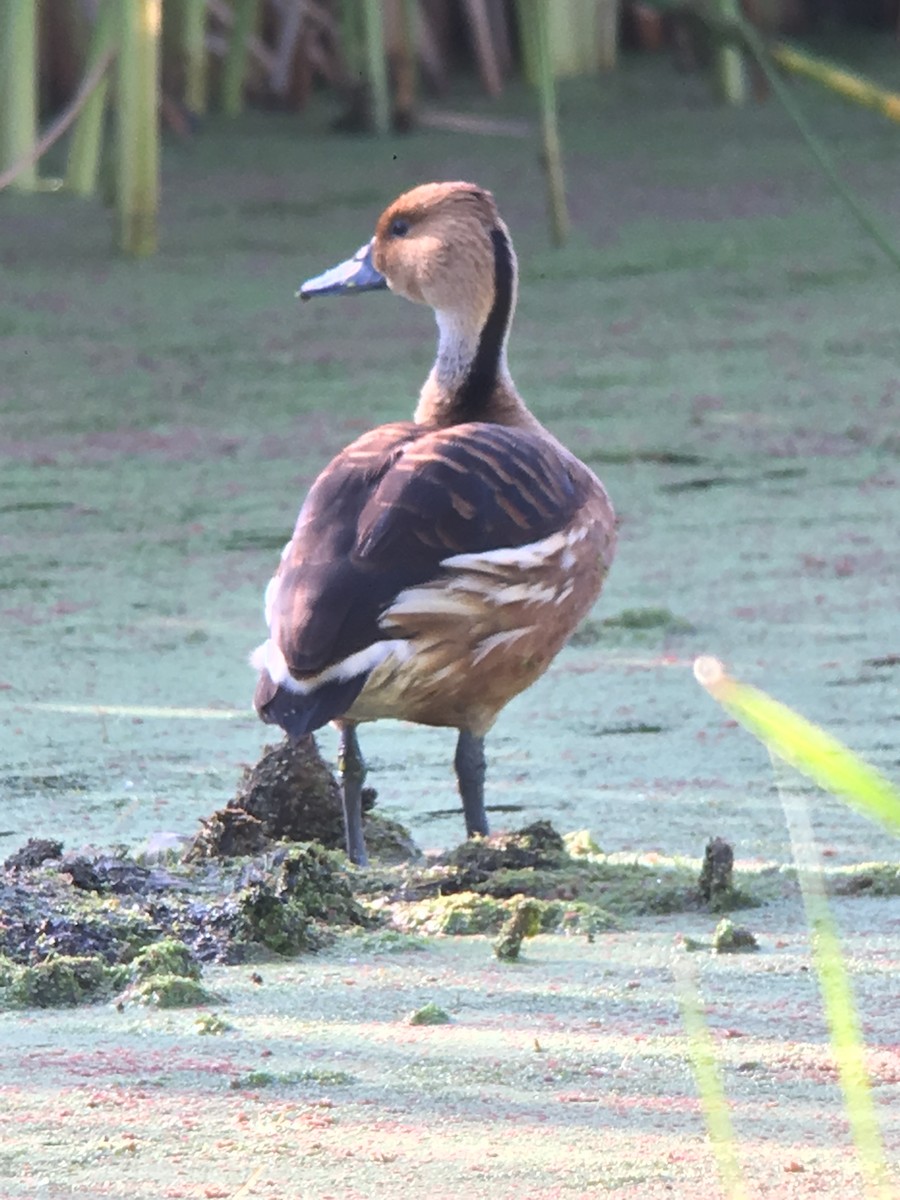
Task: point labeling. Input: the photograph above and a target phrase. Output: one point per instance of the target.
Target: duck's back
(419, 544)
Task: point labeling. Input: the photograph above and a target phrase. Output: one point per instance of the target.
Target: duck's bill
(357, 274)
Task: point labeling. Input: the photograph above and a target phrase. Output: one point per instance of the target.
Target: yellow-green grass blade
(834, 767)
(708, 1079)
(804, 745)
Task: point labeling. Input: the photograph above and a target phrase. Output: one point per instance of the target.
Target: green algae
(291, 907)
(524, 921)
(59, 981)
(266, 1079)
(212, 1025)
(166, 957)
(168, 991)
(636, 622)
(429, 1014)
(733, 939)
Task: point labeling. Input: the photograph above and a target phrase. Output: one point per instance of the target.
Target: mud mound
(72, 923)
(291, 795)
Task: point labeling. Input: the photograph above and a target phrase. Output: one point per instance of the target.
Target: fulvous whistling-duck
(438, 565)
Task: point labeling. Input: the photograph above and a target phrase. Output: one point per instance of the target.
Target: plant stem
(731, 79)
(376, 65)
(193, 40)
(539, 17)
(83, 167)
(137, 163)
(236, 59)
(18, 87)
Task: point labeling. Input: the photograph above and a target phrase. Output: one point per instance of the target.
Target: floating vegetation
(635, 622)
(267, 1079)
(84, 928)
(429, 1014)
(79, 928)
(168, 991)
(524, 922)
(212, 1025)
(733, 939)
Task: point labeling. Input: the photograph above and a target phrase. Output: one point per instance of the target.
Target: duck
(438, 565)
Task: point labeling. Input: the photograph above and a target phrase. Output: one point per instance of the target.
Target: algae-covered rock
(387, 841)
(429, 1014)
(537, 845)
(524, 922)
(59, 981)
(292, 795)
(716, 881)
(168, 991)
(866, 879)
(733, 939)
(34, 853)
(166, 957)
(289, 908)
(289, 794)
(211, 1025)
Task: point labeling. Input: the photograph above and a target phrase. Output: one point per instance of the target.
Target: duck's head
(441, 244)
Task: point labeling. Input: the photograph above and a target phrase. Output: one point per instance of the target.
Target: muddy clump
(537, 846)
(80, 928)
(291, 795)
(290, 907)
(478, 887)
(524, 922)
(716, 881)
(34, 853)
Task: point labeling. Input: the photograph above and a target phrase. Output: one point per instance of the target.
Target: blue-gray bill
(357, 274)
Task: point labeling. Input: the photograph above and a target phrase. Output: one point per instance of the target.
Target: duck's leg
(469, 763)
(353, 774)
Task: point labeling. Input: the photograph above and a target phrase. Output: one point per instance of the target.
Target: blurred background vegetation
(101, 77)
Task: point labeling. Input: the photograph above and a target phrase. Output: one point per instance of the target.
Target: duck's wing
(382, 518)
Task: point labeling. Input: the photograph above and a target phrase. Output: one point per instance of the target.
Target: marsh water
(719, 341)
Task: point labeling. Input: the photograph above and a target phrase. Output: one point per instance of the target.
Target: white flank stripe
(523, 593)
(565, 593)
(497, 640)
(269, 657)
(438, 600)
(524, 557)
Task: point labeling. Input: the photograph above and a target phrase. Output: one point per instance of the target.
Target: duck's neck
(470, 380)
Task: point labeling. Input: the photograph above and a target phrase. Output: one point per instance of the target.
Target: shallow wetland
(720, 343)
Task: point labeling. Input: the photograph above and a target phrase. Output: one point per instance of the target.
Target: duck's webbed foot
(470, 765)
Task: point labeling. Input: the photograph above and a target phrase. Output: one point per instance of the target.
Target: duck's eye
(399, 227)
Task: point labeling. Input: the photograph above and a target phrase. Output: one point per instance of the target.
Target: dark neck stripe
(478, 386)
